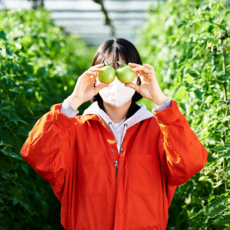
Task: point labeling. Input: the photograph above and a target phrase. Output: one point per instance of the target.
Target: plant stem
(214, 58)
(113, 62)
(121, 63)
(225, 98)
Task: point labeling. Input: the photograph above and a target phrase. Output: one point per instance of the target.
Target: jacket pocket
(91, 174)
(143, 173)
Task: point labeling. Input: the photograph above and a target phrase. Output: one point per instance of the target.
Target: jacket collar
(135, 114)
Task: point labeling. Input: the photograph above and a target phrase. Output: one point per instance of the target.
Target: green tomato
(203, 178)
(210, 173)
(125, 75)
(107, 75)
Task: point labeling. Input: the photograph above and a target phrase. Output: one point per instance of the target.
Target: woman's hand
(149, 87)
(84, 89)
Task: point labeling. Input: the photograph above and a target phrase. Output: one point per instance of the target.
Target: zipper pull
(116, 166)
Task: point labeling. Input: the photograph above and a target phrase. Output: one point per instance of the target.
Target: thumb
(133, 86)
(99, 87)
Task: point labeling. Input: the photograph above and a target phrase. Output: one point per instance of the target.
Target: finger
(89, 73)
(133, 86)
(98, 65)
(99, 87)
(141, 68)
(138, 72)
(151, 67)
(134, 64)
(101, 65)
(95, 69)
(142, 75)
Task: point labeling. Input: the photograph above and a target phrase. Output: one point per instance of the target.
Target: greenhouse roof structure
(93, 22)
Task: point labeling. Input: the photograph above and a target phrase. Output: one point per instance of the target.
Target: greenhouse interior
(101, 176)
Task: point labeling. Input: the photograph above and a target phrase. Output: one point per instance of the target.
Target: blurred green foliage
(188, 43)
(39, 67)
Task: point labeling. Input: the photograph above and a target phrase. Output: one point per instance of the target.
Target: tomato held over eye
(125, 75)
(107, 75)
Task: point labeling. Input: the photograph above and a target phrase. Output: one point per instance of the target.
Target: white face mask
(116, 93)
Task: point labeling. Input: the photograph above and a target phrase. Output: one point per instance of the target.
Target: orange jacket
(76, 156)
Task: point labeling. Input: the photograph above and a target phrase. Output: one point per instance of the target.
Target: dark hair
(117, 46)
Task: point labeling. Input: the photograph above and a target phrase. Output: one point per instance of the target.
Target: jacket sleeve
(49, 145)
(181, 153)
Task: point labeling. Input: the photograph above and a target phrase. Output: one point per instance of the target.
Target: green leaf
(198, 94)
(226, 155)
(3, 35)
(38, 96)
(209, 99)
(4, 144)
(11, 154)
(197, 213)
(15, 201)
(1, 201)
(222, 78)
(220, 148)
(182, 23)
(30, 110)
(9, 52)
(8, 108)
(180, 94)
(25, 169)
(221, 129)
(5, 164)
(219, 200)
(219, 183)
(216, 211)
(194, 74)
(222, 220)
(2, 208)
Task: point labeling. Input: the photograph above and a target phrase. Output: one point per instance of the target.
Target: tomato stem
(112, 62)
(122, 64)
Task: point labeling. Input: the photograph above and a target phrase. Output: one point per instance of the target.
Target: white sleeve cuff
(68, 110)
(163, 106)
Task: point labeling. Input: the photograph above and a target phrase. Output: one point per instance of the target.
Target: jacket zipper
(116, 166)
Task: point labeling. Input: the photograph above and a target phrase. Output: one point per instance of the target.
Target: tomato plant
(39, 67)
(188, 43)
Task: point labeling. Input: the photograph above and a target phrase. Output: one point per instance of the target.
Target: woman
(116, 166)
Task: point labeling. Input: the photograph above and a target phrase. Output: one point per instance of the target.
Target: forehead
(112, 57)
